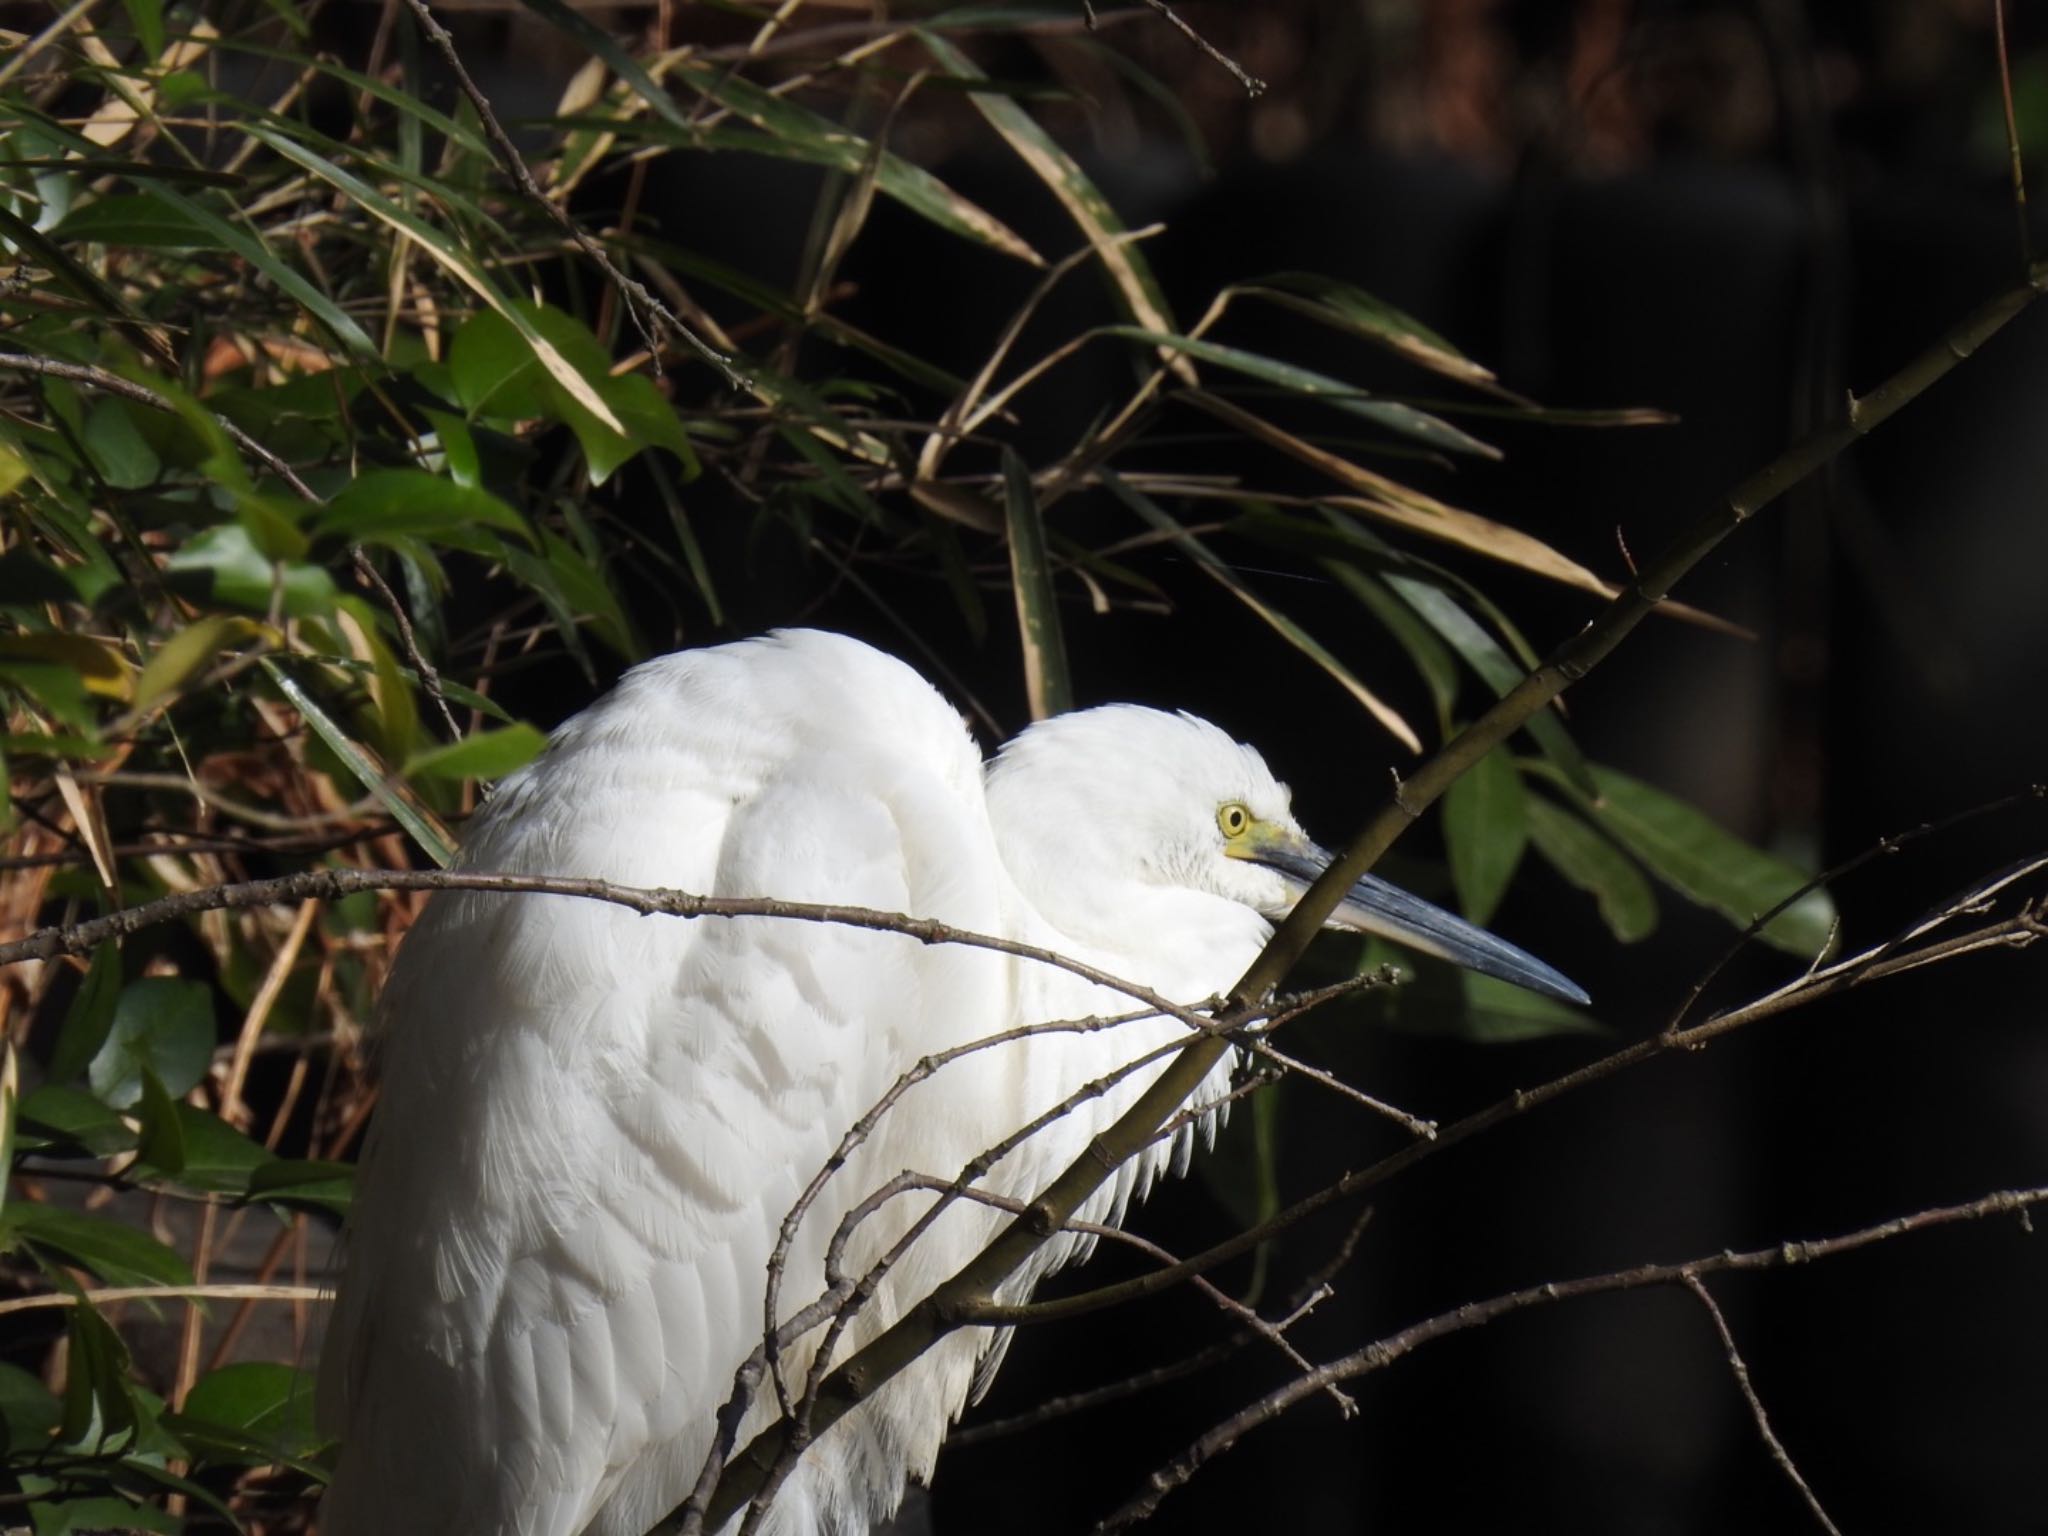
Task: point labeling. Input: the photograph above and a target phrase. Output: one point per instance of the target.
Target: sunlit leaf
(486, 755)
(222, 565)
(1394, 416)
(383, 503)
(101, 670)
(1351, 309)
(186, 653)
(418, 823)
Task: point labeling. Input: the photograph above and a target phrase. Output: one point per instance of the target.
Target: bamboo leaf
(1589, 861)
(420, 824)
(1395, 417)
(1220, 571)
(1486, 828)
(1038, 616)
(1358, 313)
(1709, 866)
(486, 755)
(1143, 300)
(186, 653)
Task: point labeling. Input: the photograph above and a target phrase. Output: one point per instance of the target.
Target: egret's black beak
(1374, 906)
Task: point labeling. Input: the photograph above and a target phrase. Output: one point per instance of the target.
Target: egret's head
(1095, 801)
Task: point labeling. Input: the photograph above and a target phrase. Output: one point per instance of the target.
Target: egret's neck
(1187, 944)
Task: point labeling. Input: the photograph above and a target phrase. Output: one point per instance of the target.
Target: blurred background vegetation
(1047, 356)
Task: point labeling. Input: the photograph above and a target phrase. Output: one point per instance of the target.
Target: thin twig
(222, 1292)
(333, 884)
(1739, 1368)
(1253, 85)
(2012, 134)
(429, 676)
(1384, 1352)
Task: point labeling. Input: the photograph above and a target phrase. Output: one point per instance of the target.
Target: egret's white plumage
(593, 1123)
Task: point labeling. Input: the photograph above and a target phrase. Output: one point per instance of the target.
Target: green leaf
(223, 565)
(1501, 1013)
(383, 504)
(118, 450)
(259, 255)
(1688, 852)
(1484, 655)
(98, 1515)
(1589, 861)
(134, 220)
(431, 839)
(90, 1016)
(458, 448)
(217, 1157)
(1357, 312)
(186, 653)
(267, 1402)
(1486, 827)
(118, 1253)
(1395, 417)
(163, 1136)
(495, 375)
(147, 17)
(29, 1411)
(1438, 668)
(99, 1407)
(305, 1181)
(162, 1025)
(1038, 615)
(64, 1116)
(486, 755)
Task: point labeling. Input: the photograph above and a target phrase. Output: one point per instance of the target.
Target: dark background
(1733, 212)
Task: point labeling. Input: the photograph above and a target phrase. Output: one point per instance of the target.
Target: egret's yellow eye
(1233, 819)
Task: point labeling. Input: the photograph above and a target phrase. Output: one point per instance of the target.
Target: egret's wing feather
(593, 1123)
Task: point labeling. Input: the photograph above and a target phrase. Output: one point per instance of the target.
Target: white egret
(593, 1124)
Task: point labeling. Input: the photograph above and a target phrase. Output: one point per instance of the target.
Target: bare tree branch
(1384, 1352)
(1740, 1369)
